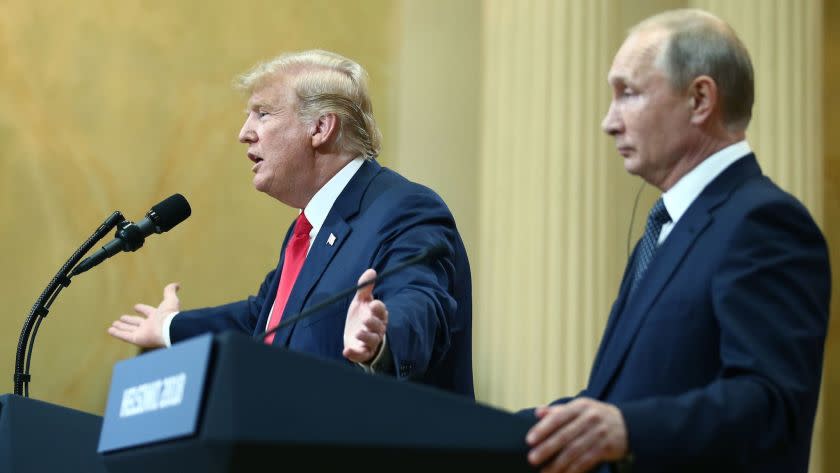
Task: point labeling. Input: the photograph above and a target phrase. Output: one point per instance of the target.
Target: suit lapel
(617, 307)
(631, 312)
(330, 238)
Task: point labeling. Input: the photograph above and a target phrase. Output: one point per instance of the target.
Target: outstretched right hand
(146, 330)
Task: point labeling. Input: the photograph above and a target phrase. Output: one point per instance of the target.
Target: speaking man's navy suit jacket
(379, 220)
(715, 360)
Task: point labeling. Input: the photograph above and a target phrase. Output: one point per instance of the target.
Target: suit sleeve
(770, 301)
(422, 312)
(240, 316)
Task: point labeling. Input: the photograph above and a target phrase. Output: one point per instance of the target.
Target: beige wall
(494, 103)
(437, 104)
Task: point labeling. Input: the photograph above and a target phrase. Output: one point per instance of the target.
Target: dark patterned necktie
(657, 217)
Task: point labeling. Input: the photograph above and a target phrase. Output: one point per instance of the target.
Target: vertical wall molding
(545, 286)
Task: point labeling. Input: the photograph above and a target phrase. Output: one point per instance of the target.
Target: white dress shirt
(680, 197)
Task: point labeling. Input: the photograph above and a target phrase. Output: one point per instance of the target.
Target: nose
(611, 124)
(247, 133)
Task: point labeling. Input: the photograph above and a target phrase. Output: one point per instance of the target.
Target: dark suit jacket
(379, 220)
(715, 361)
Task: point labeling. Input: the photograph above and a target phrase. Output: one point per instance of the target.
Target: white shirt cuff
(369, 367)
(164, 330)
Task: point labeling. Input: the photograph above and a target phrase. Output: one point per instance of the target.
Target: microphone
(426, 256)
(131, 236)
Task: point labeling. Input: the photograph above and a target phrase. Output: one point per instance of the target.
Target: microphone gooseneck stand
(41, 308)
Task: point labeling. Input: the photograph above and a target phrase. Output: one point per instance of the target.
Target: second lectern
(258, 405)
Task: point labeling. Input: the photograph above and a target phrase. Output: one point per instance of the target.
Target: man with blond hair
(712, 356)
(312, 141)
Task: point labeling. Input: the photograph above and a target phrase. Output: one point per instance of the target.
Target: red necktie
(295, 255)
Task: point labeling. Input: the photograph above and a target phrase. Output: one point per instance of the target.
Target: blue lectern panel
(156, 396)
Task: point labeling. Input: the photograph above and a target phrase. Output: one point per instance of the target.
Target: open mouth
(254, 158)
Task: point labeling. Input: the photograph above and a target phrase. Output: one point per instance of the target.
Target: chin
(259, 184)
(631, 166)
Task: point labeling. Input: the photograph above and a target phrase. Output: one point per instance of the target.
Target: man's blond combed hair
(325, 82)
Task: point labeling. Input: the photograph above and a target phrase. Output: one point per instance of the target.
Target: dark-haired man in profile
(312, 140)
(712, 356)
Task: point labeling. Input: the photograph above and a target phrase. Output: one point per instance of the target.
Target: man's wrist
(164, 329)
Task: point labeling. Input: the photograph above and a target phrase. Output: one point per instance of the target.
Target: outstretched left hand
(367, 319)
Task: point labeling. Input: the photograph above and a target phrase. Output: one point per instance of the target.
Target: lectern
(261, 405)
(36, 437)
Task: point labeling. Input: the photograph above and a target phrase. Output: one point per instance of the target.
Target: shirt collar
(319, 206)
(679, 197)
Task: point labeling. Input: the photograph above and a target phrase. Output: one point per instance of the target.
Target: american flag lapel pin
(331, 239)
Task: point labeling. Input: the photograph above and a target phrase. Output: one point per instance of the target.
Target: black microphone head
(170, 212)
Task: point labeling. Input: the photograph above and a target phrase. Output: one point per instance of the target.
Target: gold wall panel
(437, 105)
(831, 223)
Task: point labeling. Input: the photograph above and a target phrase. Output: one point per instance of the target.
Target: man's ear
(705, 100)
(324, 130)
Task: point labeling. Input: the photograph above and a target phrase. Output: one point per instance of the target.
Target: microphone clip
(131, 235)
